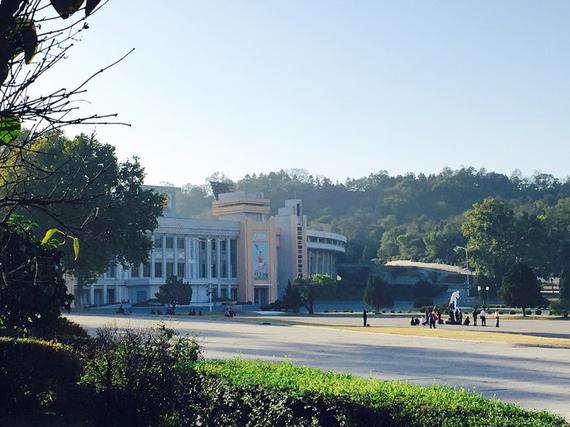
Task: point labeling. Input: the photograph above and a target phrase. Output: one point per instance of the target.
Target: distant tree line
(418, 217)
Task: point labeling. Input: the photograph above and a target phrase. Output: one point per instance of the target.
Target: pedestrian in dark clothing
(475, 317)
(365, 317)
(497, 317)
(432, 319)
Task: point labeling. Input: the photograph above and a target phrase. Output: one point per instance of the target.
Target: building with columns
(245, 254)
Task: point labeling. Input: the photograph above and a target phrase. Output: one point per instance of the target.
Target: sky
(340, 88)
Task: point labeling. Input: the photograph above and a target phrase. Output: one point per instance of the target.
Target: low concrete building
(245, 254)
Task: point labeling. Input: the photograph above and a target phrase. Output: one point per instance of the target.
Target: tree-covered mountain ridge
(410, 216)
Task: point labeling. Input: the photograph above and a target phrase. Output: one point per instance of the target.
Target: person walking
(497, 314)
(432, 319)
(483, 316)
(475, 317)
(365, 318)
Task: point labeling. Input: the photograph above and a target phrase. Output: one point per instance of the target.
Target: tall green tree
(377, 293)
(521, 287)
(492, 237)
(174, 292)
(292, 298)
(104, 203)
(313, 288)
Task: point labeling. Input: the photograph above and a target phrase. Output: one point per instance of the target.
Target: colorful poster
(260, 261)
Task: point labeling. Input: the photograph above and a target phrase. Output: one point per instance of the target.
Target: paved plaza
(536, 377)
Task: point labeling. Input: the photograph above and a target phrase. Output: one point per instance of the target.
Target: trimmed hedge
(151, 378)
(36, 376)
(252, 393)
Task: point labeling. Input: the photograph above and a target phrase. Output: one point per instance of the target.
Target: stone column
(175, 255)
(218, 264)
(209, 259)
(92, 294)
(105, 299)
(152, 260)
(229, 257)
(164, 257)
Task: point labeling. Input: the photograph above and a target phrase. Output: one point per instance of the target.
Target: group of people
(122, 310)
(229, 312)
(433, 317)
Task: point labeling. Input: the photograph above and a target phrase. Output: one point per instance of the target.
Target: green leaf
(49, 234)
(22, 37)
(76, 247)
(90, 6)
(9, 129)
(29, 41)
(66, 8)
(4, 74)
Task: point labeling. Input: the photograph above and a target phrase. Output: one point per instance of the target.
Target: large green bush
(250, 393)
(36, 376)
(139, 377)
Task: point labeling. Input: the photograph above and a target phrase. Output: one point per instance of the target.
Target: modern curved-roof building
(245, 254)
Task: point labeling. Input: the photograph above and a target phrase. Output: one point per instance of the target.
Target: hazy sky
(341, 88)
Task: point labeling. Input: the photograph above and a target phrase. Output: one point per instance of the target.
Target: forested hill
(395, 217)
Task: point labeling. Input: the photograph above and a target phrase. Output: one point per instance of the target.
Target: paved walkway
(535, 377)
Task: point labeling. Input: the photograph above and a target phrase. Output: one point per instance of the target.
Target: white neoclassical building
(245, 254)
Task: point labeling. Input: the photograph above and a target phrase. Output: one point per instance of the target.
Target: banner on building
(260, 258)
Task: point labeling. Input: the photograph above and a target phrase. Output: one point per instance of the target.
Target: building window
(234, 294)
(181, 269)
(146, 269)
(233, 257)
(203, 271)
(158, 242)
(224, 270)
(169, 242)
(169, 269)
(112, 272)
(158, 269)
(223, 245)
(213, 244)
(135, 270)
(180, 242)
(214, 270)
(202, 244)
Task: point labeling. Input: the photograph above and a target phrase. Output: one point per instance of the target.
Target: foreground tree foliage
(34, 38)
(521, 287)
(115, 216)
(32, 289)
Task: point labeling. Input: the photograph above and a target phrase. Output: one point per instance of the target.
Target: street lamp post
(486, 294)
(479, 292)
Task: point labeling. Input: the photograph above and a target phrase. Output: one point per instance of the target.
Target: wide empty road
(535, 377)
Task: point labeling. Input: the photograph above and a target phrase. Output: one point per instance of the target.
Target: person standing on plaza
(365, 318)
(483, 316)
(497, 314)
(475, 317)
(432, 319)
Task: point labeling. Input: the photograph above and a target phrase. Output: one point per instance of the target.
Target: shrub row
(151, 378)
(36, 376)
(253, 393)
